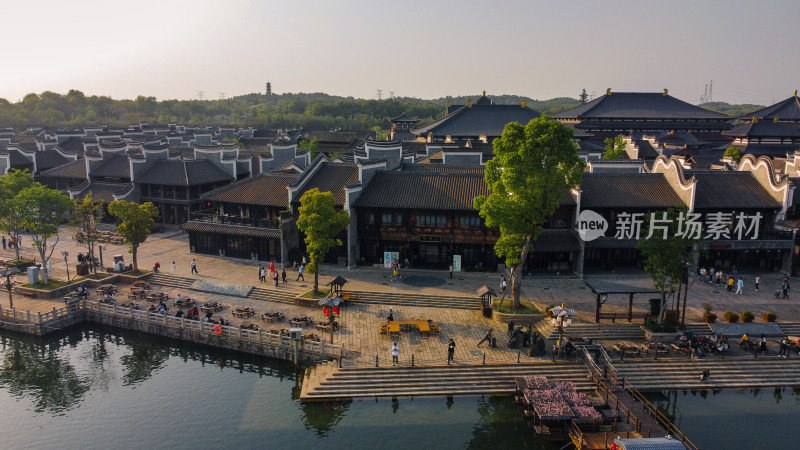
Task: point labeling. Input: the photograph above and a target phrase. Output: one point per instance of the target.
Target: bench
(624, 316)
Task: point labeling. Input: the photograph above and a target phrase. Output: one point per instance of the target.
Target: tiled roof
(341, 137)
(763, 128)
(231, 230)
(480, 118)
(788, 109)
(771, 150)
(72, 169)
(404, 118)
(721, 190)
(105, 191)
(48, 159)
(665, 125)
(186, 172)
(627, 190)
(444, 168)
(331, 177)
(646, 150)
(117, 166)
(423, 190)
(556, 241)
(639, 105)
(267, 189)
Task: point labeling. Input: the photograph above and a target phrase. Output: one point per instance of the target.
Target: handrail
(660, 417)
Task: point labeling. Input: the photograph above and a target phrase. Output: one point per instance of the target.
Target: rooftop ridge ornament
(755, 120)
(608, 91)
(666, 92)
(775, 120)
(524, 104)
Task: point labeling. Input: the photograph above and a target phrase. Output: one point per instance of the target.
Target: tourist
(300, 272)
(719, 277)
(705, 375)
(762, 344)
(10, 242)
(179, 314)
(451, 271)
(259, 273)
(178, 300)
(739, 286)
(221, 321)
(390, 317)
(283, 275)
(503, 284)
(785, 287)
(486, 337)
(784, 349)
(394, 274)
(156, 266)
(745, 339)
(208, 316)
(4, 242)
(262, 278)
(758, 281)
(194, 267)
(173, 267)
(275, 278)
(451, 350)
(730, 283)
(395, 354)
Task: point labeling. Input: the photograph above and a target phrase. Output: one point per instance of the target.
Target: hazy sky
(428, 49)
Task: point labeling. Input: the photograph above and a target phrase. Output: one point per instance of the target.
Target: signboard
(426, 238)
(456, 263)
(390, 258)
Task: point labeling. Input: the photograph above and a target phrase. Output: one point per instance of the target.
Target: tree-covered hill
(317, 111)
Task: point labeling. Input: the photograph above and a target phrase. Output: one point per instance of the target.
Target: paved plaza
(359, 334)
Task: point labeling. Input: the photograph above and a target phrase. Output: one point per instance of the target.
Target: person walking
(263, 277)
(283, 275)
(10, 242)
(730, 283)
(4, 242)
(784, 350)
(300, 271)
(503, 285)
(785, 288)
(173, 267)
(275, 278)
(194, 267)
(758, 281)
(259, 272)
(451, 271)
(486, 338)
(395, 354)
(739, 286)
(451, 350)
(719, 277)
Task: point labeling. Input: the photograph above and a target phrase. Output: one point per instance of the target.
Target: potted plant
(769, 317)
(708, 316)
(748, 316)
(731, 317)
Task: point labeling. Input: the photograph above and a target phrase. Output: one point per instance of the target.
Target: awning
(231, 230)
(555, 241)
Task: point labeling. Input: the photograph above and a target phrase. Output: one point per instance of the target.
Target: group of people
(720, 277)
(396, 272)
(273, 274)
(83, 292)
(10, 243)
(761, 343)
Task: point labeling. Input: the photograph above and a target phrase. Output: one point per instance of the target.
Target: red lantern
(336, 310)
(325, 311)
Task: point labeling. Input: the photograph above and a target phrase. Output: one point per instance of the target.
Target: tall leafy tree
(87, 212)
(533, 167)
(734, 153)
(41, 210)
(615, 148)
(320, 222)
(667, 259)
(584, 97)
(12, 184)
(137, 223)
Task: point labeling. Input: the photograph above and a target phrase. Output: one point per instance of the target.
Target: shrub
(731, 317)
(653, 326)
(769, 317)
(709, 317)
(655, 306)
(748, 316)
(707, 307)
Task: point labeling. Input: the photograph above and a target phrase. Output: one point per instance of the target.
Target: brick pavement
(360, 333)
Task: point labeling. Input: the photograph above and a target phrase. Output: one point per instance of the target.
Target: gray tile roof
(627, 190)
(331, 177)
(763, 128)
(267, 189)
(72, 169)
(117, 166)
(231, 230)
(423, 190)
(721, 190)
(186, 172)
(480, 118)
(48, 159)
(639, 105)
(788, 109)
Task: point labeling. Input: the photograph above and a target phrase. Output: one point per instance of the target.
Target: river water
(96, 387)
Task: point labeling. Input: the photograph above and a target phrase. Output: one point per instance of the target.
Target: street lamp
(562, 318)
(7, 273)
(66, 263)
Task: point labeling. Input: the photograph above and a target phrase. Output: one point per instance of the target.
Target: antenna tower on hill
(380, 92)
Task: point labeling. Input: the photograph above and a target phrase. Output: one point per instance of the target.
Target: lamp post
(66, 263)
(562, 318)
(7, 273)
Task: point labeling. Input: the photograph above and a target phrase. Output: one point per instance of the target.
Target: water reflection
(322, 417)
(36, 370)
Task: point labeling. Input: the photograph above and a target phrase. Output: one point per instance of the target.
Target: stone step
(417, 300)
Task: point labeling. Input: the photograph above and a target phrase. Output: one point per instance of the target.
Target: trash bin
(33, 275)
(295, 333)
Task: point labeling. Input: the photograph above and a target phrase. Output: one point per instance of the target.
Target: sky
(172, 49)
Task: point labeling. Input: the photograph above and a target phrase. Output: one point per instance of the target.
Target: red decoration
(336, 310)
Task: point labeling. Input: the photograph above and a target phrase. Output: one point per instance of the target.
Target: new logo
(591, 225)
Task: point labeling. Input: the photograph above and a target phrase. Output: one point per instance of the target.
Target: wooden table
(422, 325)
(627, 348)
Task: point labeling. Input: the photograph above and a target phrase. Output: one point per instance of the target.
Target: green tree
(533, 167)
(320, 222)
(12, 184)
(87, 213)
(41, 210)
(137, 223)
(667, 259)
(584, 97)
(310, 146)
(734, 153)
(615, 148)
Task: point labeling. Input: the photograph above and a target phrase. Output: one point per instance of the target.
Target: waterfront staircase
(726, 373)
(327, 381)
(258, 293)
(594, 331)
